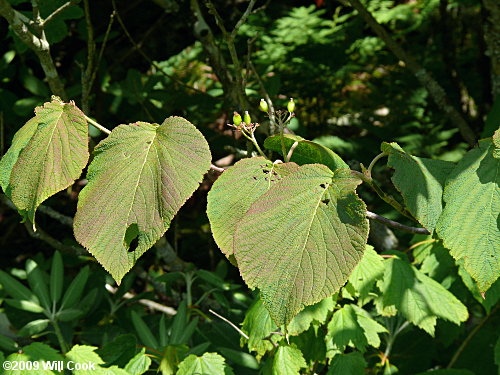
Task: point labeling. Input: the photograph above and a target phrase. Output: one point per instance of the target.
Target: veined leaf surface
(420, 181)
(140, 176)
(235, 190)
(470, 222)
(299, 242)
(47, 154)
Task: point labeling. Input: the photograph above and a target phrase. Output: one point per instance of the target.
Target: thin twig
(243, 18)
(243, 334)
(395, 224)
(271, 112)
(57, 11)
(216, 168)
(88, 73)
(146, 302)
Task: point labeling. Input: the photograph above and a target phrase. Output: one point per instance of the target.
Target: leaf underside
(235, 190)
(470, 223)
(47, 155)
(299, 241)
(140, 177)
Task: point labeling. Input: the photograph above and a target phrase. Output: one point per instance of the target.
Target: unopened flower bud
(246, 118)
(263, 105)
(236, 118)
(291, 105)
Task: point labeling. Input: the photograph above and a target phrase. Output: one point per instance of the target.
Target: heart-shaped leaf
(299, 242)
(140, 177)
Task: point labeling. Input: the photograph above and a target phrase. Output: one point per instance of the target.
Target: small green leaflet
(420, 181)
(47, 154)
(470, 223)
(140, 177)
(235, 190)
(208, 363)
(258, 325)
(306, 152)
(347, 364)
(288, 360)
(367, 272)
(299, 241)
(418, 297)
(351, 325)
(317, 312)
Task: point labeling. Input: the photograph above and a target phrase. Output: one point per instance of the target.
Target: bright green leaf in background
(235, 190)
(419, 298)
(299, 242)
(140, 177)
(314, 313)
(288, 360)
(347, 364)
(47, 154)
(35, 352)
(367, 272)
(258, 325)
(470, 222)
(306, 152)
(353, 326)
(420, 181)
(496, 143)
(207, 364)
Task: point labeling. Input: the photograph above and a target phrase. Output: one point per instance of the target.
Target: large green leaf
(140, 176)
(207, 364)
(235, 190)
(420, 182)
(347, 364)
(47, 154)
(419, 298)
(351, 325)
(306, 152)
(470, 222)
(299, 241)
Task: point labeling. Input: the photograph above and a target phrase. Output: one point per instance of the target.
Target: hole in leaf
(326, 201)
(131, 240)
(148, 142)
(255, 178)
(265, 171)
(323, 186)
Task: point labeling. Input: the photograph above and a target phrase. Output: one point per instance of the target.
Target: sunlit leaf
(419, 298)
(347, 364)
(47, 154)
(420, 182)
(299, 241)
(235, 190)
(140, 177)
(287, 360)
(208, 363)
(470, 222)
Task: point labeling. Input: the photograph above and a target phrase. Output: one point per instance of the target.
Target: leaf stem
(97, 125)
(386, 198)
(372, 164)
(290, 152)
(60, 337)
